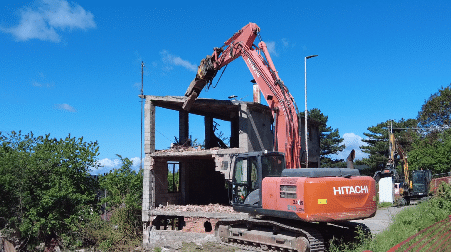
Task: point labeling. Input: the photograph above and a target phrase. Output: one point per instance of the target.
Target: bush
(124, 195)
(45, 185)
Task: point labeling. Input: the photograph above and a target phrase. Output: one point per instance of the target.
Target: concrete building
(202, 172)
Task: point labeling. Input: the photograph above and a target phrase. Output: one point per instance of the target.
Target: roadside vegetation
(49, 199)
(407, 223)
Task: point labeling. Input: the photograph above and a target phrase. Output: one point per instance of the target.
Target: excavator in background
(406, 188)
(290, 207)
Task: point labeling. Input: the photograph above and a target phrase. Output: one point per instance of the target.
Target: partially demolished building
(202, 173)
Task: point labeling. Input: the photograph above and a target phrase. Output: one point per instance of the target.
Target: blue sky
(75, 67)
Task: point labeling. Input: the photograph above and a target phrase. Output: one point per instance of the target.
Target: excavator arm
(276, 94)
(395, 147)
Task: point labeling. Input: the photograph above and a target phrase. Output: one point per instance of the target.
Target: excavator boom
(276, 94)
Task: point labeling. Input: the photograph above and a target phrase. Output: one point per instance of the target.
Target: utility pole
(142, 97)
(305, 112)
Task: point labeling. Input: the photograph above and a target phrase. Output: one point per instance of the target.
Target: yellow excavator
(416, 187)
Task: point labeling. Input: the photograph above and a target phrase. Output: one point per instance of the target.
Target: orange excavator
(290, 207)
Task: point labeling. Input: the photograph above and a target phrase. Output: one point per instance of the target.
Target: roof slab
(225, 110)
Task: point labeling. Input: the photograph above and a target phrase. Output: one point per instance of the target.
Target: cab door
(246, 181)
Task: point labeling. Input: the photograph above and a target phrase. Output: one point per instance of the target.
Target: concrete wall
(162, 196)
(255, 129)
(200, 183)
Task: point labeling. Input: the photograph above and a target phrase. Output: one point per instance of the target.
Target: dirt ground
(167, 240)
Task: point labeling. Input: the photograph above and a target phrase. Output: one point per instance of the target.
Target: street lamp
(305, 113)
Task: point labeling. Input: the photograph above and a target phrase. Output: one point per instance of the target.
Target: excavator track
(269, 235)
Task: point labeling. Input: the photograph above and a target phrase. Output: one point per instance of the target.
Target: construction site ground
(169, 240)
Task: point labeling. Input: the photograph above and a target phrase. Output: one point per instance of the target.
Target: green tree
(436, 111)
(173, 181)
(45, 184)
(123, 199)
(330, 140)
(377, 140)
(432, 155)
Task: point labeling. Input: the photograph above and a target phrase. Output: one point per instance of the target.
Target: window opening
(173, 176)
(272, 166)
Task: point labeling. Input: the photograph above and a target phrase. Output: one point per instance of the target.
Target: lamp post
(305, 112)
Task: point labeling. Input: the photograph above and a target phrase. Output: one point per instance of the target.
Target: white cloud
(137, 85)
(352, 141)
(172, 60)
(272, 48)
(285, 42)
(106, 165)
(65, 107)
(136, 162)
(36, 84)
(42, 81)
(48, 17)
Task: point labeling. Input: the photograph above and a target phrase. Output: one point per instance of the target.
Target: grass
(407, 223)
(384, 205)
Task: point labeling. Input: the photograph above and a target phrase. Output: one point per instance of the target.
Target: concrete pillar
(149, 147)
(183, 126)
(148, 187)
(208, 131)
(243, 128)
(149, 127)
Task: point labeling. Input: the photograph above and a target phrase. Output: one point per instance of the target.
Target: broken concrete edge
(214, 215)
(189, 152)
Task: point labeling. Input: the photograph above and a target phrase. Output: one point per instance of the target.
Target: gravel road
(383, 219)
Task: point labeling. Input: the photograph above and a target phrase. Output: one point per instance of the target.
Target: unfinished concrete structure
(203, 172)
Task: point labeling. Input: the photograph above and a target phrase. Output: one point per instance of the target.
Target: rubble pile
(181, 148)
(210, 208)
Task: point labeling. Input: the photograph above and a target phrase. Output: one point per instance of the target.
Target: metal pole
(142, 93)
(306, 112)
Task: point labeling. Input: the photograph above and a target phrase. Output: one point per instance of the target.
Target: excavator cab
(249, 169)
(421, 181)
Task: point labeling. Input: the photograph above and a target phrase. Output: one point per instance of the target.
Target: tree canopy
(436, 111)
(45, 184)
(432, 155)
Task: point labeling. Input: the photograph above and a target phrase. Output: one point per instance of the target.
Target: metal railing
(436, 237)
